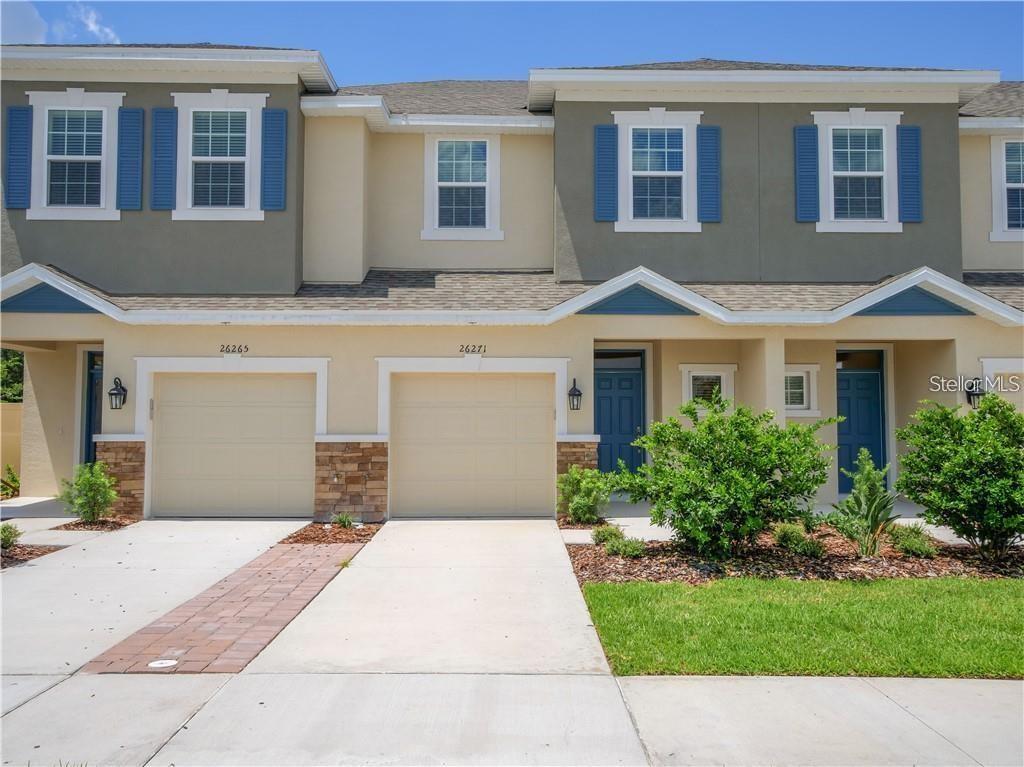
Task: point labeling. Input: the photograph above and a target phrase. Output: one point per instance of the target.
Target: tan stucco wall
(976, 210)
(922, 347)
(396, 208)
(48, 420)
(335, 215)
(10, 435)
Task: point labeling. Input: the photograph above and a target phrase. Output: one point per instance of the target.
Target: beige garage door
(472, 445)
(233, 445)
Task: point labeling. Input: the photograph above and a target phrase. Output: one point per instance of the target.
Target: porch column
(761, 375)
(775, 377)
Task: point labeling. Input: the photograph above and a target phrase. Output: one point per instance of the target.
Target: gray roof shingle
(1007, 287)
(1004, 99)
(477, 97)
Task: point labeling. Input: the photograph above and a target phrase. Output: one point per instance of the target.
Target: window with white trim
(1013, 178)
(657, 185)
(800, 390)
(461, 188)
(74, 141)
(858, 184)
(700, 381)
(220, 146)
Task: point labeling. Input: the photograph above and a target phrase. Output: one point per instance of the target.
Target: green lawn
(943, 627)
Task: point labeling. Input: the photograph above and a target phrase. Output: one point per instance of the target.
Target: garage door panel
(233, 445)
(472, 445)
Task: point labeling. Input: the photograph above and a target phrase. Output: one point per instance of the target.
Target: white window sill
(455, 234)
(216, 214)
(860, 226)
(803, 414)
(657, 225)
(1006, 235)
(72, 214)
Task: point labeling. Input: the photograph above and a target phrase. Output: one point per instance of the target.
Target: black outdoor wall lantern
(974, 391)
(118, 395)
(575, 396)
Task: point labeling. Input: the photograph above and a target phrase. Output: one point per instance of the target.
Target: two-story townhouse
(426, 299)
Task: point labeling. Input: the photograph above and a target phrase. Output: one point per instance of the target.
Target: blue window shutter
(805, 164)
(129, 158)
(165, 159)
(908, 160)
(274, 167)
(606, 173)
(709, 173)
(18, 158)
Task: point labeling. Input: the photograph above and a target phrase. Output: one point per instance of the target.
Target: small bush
(867, 513)
(605, 533)
(791, 537)
(720, 477)
(9, 535)
(582, 494)
(912, 540)
(91, 493)
(342, 520)
(12, 482)
(968, 471)
(632, 548)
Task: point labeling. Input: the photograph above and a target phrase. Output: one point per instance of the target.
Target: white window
(857, 182)
(1007, 190)
(800, 391)
(657, 179)
(74, 149)
(700, 381)
(461, 188)
(219, 152)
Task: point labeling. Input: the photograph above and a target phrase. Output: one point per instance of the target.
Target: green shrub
(91, 493)
(632, 548)
(791, 537)
(582, 494)
(912, 540)
(867, 513)
(605, 533)
(967, 471)
(12, 482)
(342, 520)
(729, 476)
(9, 535)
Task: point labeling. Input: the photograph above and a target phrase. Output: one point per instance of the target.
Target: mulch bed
(20, 553)
(106, 524)
(317, 532)
(667, 561)
(565, 524)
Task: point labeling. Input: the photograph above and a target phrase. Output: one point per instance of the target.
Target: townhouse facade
(253, 292)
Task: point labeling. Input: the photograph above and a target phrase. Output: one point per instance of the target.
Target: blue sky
(387, 42)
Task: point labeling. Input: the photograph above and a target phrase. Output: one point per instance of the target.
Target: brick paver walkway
(226, 626)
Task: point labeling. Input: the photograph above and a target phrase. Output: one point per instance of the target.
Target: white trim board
(935, 282)
(118, 437)
(471, 363)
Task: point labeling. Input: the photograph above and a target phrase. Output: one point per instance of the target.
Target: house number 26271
(234, 348)
(473, 348)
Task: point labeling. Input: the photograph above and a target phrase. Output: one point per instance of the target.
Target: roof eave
(380, 119)
(991, 124)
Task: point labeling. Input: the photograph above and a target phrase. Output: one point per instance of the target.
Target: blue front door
(618, 417)
(861, 405)
(92, 412)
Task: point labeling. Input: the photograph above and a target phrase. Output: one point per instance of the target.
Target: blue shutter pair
(908, 173)
(130, 144)
(709, 173)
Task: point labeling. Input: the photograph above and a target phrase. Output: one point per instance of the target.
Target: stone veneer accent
(361, 488)
(126, 462)
(583, 454)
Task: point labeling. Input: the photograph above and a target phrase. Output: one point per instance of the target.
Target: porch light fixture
(575, 396)
(974, 390)
(118, 395)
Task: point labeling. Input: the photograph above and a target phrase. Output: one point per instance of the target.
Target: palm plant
(867, 514)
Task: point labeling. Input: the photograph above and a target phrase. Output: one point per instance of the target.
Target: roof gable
(914, 301)
(636, 300)
(44, 299)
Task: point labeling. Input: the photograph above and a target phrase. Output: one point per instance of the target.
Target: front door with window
(92, 410)
(618, 407)
(861, 404)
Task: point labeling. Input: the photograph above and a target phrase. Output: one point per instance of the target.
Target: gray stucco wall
(758, 238)
(147, 252)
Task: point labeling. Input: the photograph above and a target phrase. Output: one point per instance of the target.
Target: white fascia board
(308, 64)
(380, 119)
(991, 124)
(32, 274)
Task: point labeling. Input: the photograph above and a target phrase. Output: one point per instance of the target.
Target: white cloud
(20, 22)
(90, 19)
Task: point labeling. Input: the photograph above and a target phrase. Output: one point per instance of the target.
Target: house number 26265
(473, 348)
(234, 348)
